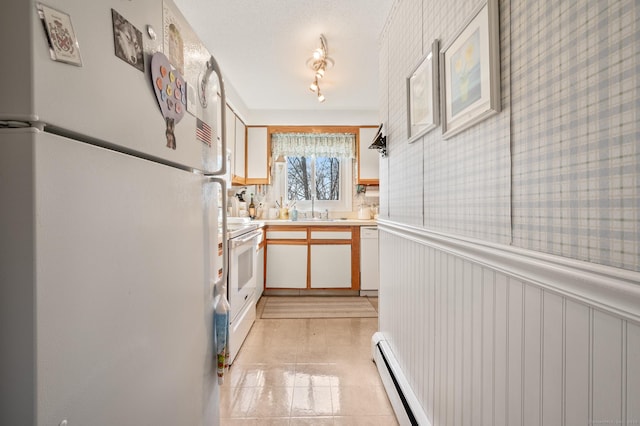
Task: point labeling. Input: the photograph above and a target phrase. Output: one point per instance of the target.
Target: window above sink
(314, 170)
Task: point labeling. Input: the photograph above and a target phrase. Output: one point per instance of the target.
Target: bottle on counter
(252, 208)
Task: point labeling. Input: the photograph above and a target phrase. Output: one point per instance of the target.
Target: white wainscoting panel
(484, 344)
(606, 381)
(515, 349)
(552, 356)
(576, 400)
(532, 356)
(633, 372)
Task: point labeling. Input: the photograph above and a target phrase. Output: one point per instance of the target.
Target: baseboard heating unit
(405, 405)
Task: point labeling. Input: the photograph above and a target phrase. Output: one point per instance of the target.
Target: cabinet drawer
(331, 235)
(286, 235)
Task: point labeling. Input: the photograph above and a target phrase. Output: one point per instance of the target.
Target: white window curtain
(339, 145)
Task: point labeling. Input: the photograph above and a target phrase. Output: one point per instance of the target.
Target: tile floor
(306, 372)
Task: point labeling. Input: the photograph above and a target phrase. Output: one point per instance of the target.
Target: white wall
(319, 118)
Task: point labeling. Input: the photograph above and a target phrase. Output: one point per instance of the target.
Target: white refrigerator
(108, 237)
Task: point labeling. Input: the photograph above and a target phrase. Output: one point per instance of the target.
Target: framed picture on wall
(470, 71)
(423, 111)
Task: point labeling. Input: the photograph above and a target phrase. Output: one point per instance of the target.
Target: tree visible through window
(310, 176)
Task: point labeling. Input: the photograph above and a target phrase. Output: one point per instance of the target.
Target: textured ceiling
(262, 47)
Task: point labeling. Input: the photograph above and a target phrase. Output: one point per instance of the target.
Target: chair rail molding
(614, 290)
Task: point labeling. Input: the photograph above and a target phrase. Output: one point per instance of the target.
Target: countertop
(321, 222)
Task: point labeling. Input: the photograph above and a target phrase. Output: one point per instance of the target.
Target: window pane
(299, 176)
(327, 178)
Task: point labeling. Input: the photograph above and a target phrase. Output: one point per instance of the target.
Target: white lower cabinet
(315, 257)
(331, 266)
(286, 266)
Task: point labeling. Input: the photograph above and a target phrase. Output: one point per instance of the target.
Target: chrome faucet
(312, 214)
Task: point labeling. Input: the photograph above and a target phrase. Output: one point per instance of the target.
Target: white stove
(243, 239)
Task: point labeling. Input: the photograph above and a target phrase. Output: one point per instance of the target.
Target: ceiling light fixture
(314, 86)
(320, 62)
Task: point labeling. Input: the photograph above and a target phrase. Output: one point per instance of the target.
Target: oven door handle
(244, 239)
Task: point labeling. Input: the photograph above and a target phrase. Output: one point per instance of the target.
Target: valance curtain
(340, 145)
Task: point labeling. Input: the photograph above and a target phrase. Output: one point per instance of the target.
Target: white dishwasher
(369, 269)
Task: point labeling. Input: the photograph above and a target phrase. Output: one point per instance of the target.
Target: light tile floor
(306, 372)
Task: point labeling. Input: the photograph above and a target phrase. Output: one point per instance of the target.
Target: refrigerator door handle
(212, 66)
(225, 248)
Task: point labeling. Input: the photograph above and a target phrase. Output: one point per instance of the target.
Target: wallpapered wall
(558, 169)
(575, 126)
(460, 185)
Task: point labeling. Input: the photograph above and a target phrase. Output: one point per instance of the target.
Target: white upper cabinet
(257, 155)
(239, 155)
(230, 127)
(368, 159)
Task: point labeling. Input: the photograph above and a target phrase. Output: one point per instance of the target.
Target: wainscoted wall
(510, 252)
(490, 336)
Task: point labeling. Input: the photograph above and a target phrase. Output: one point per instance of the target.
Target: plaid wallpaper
(460, 185)
(576, 150)
(558, 169)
